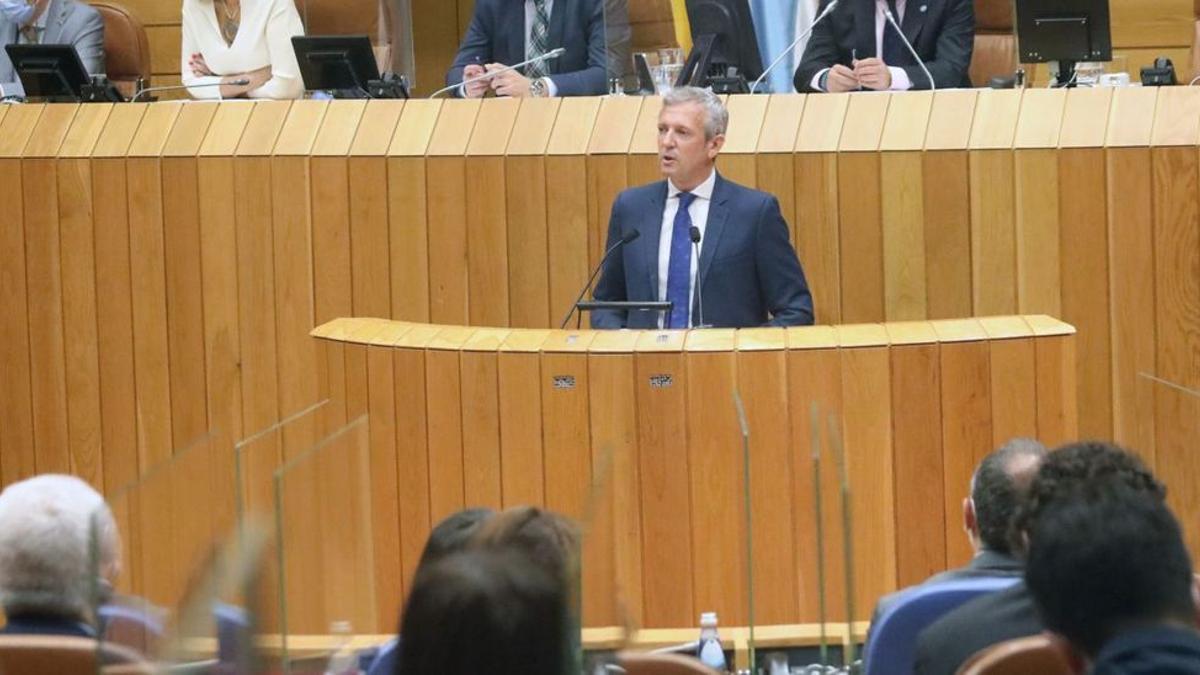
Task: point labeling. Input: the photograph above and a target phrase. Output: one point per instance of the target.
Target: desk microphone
(892, 20)
(805, 34)
(552, 54)
(695, 234)
(175, 87)
(625, 239)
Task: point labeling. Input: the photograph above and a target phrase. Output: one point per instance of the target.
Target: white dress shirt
(264, 38)
(699, 214)
(900, 81)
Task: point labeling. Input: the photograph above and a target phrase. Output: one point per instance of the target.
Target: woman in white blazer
(229, 40)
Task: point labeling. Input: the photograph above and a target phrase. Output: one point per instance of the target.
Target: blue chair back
(385, 659)
(893, 642)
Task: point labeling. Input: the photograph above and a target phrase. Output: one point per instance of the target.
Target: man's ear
(1196, 597)
(970, 522)
(715, 145)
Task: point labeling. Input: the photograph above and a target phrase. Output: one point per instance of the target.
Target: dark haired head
(999, 485)
(485, 611)
(1105, 560)
(548, 539)
(1071, 466)
(453, 534)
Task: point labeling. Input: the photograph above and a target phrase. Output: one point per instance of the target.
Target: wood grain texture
(904, 263)
(817, 240)
(1038, 232)
(860, 212)
(993, 237)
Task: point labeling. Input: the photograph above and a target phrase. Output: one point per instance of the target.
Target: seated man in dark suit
(856, 47)
(747, 273)
(1109, 571)
(49, 22)
(1001, 481)
(47, 527)
(507, 32)
(953, 639)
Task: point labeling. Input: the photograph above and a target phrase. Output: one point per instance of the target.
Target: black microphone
(179, 87)
(625, 239)
(695, 233)
(892, 20)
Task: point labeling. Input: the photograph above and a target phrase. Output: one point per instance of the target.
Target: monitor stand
(1064, 73)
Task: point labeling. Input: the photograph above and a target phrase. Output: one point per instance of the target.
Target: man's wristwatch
(538, 88)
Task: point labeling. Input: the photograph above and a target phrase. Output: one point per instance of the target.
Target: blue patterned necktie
(679, 267)
(539, 41)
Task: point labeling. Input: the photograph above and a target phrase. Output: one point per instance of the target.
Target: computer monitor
(52, 72)
(343, 64)
(725, 49)
(1065, 31)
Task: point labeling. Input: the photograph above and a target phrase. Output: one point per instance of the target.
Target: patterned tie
(679, 268)
(894, 53)
(539, 41)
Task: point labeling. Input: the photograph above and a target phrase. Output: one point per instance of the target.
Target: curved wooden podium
(637, 433)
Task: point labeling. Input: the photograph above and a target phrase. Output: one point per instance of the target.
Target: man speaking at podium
(719, 252)
(508, 32)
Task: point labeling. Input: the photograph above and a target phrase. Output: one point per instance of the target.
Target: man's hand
(873, 73)
(840, 78)
(475, 89)
(199, 66)
(509, 83)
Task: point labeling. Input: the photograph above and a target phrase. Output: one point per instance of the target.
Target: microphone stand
(805, 34)
(892, 20)
(147, 90)
(552, 54)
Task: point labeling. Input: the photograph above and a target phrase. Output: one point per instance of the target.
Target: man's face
(684, 154)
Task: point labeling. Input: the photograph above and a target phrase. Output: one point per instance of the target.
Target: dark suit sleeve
(477, 45)
(90, 42)
(591, 81)
(779, 273)
(820, 53)
(953, 53)
(611, 286)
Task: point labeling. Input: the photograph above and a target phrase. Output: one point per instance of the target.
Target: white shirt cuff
(551, 88)
(900, 81)
(816, 81)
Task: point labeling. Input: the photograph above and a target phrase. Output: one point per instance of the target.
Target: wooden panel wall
(641, 438)
(163, 262)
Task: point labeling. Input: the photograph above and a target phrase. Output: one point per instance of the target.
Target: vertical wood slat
(446, 176)
(16, 397)
(408, 210)
(526, 200)
(567, 214)
(487, 210)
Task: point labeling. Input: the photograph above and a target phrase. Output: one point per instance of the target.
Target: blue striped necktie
(539, 40)
(679, 267)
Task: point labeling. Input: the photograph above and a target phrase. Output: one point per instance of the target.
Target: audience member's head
(548, 539)
(485, 611)
(1107, 559)
(1000, 483)
(58, 546)
(1065, 470)
(453, 534)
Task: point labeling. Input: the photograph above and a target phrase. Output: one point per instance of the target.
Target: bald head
(999, 485)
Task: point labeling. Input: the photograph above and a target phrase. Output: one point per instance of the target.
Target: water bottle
(344, 660)
(709, 650)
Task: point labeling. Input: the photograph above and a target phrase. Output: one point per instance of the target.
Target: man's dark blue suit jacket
(497, 35)
(749, 274)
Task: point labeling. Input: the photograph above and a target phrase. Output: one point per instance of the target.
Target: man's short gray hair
(716, 117)
(47, 561)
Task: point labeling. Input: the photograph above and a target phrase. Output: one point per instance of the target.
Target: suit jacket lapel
(914, 19)
(650, 227)
(864, 28)
(56, 17)
(718, 217)
(558, 19)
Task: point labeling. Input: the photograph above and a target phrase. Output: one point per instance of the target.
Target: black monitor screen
(335, 62)
(48, 71)
(735, 43)
(1068, 30)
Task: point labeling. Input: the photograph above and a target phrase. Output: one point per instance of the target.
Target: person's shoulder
(647, 191)
(747, 196)
(84, 11)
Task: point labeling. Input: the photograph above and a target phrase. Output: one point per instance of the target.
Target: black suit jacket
(941, 31)
(986, 564)
(948, 642)
(497, 35)
(748, 274)
(33, 624)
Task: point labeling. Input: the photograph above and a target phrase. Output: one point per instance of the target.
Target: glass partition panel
(324, 540)
(618, 33)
